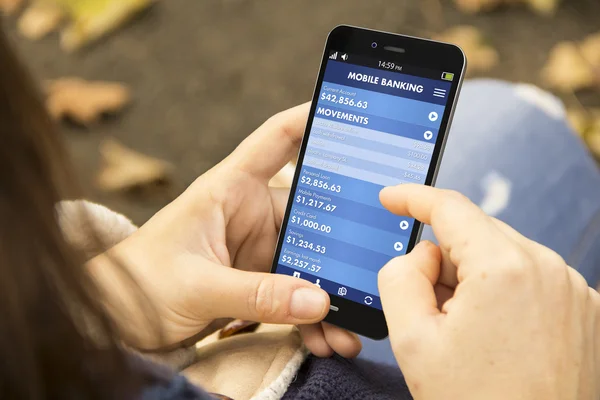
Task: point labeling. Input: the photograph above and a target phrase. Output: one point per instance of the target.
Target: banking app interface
(372, 128)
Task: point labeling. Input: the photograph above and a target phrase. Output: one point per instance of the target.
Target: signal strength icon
(333, 56)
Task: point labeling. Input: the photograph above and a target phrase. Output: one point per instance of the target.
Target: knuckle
(550, 259)
(578, 283)
(453, 195)
(516, 264)
(280, 122)
(516, 259)
(453, 202)
(262, 300)
(594, 298)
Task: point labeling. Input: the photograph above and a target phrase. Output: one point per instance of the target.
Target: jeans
(511, 151)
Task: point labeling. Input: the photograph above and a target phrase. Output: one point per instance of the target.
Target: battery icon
(447, 76)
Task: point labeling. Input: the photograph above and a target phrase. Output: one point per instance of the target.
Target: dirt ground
(206, 73)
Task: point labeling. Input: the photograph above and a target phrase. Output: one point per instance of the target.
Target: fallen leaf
(476, 6)
(39, 19)
(92, 19)
(83, 101)
(10, 6)
(236, 327)
(579, 120)
(124, 168)
(545, 7)
(592, 139)
(590, 49)
(586, 122)
(594, 128)
(480, 56)
(567, 69)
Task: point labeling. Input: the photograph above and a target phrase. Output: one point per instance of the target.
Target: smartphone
(380, 116)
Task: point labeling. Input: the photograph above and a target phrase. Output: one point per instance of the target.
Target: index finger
(273, 144)
(463, 230)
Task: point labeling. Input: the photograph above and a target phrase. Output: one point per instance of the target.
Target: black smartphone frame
(401, 49)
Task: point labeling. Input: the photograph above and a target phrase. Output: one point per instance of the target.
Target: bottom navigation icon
(296, 274)
(368, 300)
(342, 291)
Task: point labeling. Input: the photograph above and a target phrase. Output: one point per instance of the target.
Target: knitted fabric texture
(341, 379)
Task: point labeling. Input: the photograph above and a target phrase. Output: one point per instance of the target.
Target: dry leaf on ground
(567, 70)
(586, 122)
(125, 169)
(84, 101)
(573, 66)
(592, 138)
(475, 6)
(10, 6)
(39, 19)
(546, 7)
(579, 120)
(480, 56)
(92, 19)
(590, 49)
(236, 327)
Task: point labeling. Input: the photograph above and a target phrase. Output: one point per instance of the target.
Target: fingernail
(307, 303)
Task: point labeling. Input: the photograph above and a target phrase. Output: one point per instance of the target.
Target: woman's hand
(489, 314)
(207, 255)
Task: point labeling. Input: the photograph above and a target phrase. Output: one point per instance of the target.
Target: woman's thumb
(265, 297)
(406, 287)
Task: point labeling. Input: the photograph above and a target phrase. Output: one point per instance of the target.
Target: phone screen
(375, 124)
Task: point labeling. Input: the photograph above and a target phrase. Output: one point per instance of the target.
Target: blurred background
(194, 78)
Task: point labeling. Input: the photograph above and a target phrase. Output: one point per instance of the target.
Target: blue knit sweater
(318, 379)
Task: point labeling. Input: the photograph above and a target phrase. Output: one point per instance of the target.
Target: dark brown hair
(47, 301)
